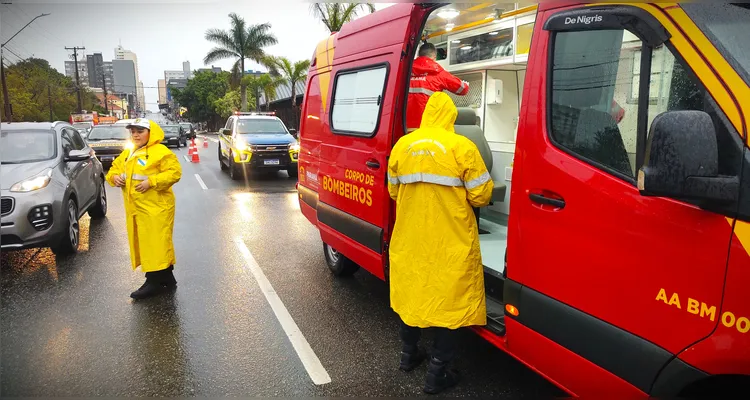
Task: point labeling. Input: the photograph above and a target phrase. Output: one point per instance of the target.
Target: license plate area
(271, 162)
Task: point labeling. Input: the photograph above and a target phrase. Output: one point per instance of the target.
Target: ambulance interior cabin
(487, 45)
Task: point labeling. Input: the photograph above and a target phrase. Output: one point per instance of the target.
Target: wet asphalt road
(69, 328)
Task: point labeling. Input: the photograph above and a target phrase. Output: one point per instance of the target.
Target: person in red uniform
(428, 77)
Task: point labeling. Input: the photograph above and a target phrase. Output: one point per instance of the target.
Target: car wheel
(221, 161)
(292, 171)
(70, 239)
(337, 263)
(99, 210)
(233, 173)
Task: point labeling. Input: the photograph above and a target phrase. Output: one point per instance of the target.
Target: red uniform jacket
(428, 77)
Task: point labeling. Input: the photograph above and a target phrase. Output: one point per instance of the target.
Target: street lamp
(6, 100)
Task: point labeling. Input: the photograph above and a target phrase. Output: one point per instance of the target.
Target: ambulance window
(594, 111)
(357, 98)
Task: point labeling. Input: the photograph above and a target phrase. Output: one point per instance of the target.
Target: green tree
(201, 94)
(240, 42)
(266, 84)
(32, 83)
(335, 15)
(228, 104)
(291, 73)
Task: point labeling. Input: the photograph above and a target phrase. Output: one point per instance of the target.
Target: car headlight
(240, 145)
(35, 183)
(294, 147)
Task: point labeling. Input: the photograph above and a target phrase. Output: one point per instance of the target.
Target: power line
(44, 31)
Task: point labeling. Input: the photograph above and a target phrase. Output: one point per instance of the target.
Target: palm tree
(266, 84)
(335, 15)
(241, 42)
(291, 73)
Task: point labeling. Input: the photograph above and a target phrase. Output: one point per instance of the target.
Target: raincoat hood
(425, 65)
(156, 134)
(440, 112)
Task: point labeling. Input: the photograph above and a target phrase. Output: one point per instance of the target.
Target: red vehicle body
(610, 287)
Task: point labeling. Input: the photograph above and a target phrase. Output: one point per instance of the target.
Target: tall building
(124, 54)
(125, 83)
(162, 84)
(83, 72)
(109, 76)
(95, 65)
(187, 72)
(173, 75)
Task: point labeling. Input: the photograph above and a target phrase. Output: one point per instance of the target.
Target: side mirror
(78, 155)
(682, 160)
(293, 132)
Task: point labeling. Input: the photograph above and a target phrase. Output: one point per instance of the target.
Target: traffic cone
(191, 149)
(196, 158)
(205, 143)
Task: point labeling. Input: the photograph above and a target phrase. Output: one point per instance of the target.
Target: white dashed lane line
(200, 182)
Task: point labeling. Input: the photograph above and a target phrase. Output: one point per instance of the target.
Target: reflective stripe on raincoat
(436, 176)
(149, 215)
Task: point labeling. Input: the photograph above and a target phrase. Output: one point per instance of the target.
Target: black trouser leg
(409, 336)
(445, 344)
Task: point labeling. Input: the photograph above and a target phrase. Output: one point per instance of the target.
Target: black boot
(439, 377)
(411, 357)
(167, 277)
(151, 287)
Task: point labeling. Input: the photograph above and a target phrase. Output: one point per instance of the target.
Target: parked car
(49, 179)
(174, 135)
(189, 129)
(108, 141)
(259, 141)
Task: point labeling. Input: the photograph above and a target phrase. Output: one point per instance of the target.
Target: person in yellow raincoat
(146, 174)
(436, 276)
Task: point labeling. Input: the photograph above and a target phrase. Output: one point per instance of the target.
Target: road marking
(186, 158)
(200, 181)
(312, 364)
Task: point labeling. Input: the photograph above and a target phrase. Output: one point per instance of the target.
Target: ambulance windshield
(726, 26)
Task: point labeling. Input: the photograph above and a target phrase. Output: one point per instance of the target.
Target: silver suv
(49, 178)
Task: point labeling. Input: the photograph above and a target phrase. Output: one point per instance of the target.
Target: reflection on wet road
(68, 327)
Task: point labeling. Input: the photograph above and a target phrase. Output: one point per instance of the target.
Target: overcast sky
(162, 33)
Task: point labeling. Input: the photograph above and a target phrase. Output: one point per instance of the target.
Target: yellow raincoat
(149, 215)
(436, 176)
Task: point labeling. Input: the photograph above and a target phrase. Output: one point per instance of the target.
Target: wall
(501, 123)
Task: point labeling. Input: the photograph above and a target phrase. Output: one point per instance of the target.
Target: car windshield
(256, 126)
(726, 26)
(108, 133)
(26, 146)
(171, 130)
(187, 126)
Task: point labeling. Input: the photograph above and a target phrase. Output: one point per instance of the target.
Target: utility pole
(49, 97)
(104, 87)
(78, 83)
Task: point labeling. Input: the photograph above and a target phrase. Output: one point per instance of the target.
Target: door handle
(542, 199)
(374, 164)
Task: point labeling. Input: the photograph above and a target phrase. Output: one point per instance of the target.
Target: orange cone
(205, 143)
(196, 158)
(190, 150)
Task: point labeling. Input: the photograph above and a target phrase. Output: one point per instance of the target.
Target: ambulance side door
(365, 107)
